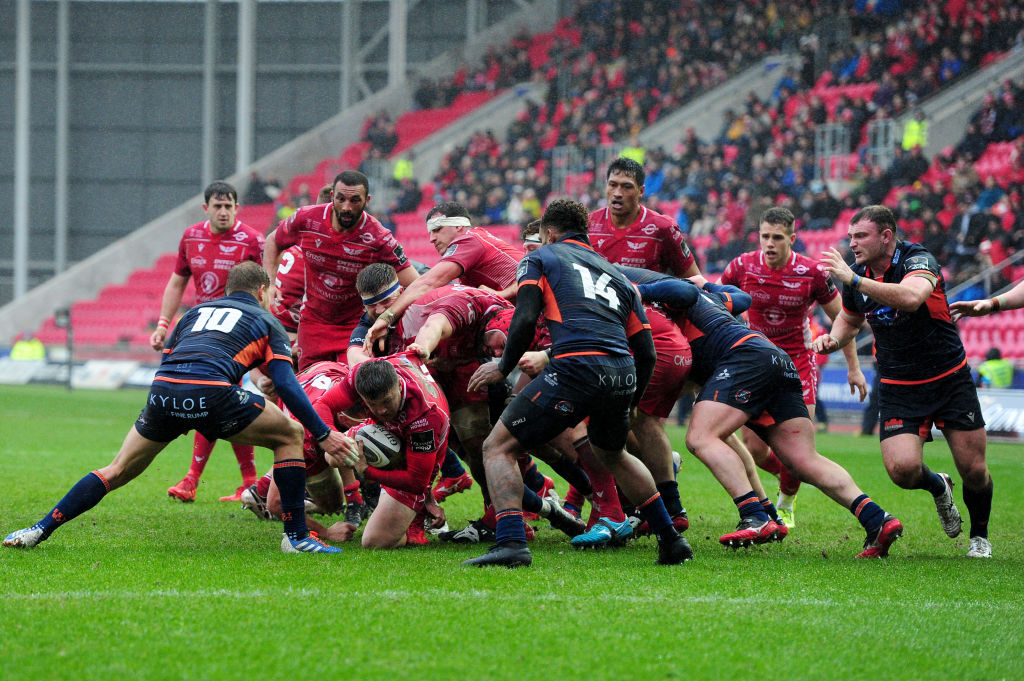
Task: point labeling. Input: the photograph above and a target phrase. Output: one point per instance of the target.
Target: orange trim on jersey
(256, 350)
(579, 354)
(892, 381)
(552, 312)
(744, 340)
(190, 381)
(634, 325)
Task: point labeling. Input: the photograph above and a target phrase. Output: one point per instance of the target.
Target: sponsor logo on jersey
(636, 245)
(649, 230)
(208, 282)
(600, 243)
(201, 246)
(197, 262)
(316, 258)
(723, 375)
(399, 253)
(800, 268)
(353, 251)
(317, 242)
(551, 379)
(893, 424)
(332, 282)
(239, 236)
(422, 442)
(792, 284)
(451, 251)
(774, 316)
(791, 300)
(742, 396)
(366, 238)
(228, 249)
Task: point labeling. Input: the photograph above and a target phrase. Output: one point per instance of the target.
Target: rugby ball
(381, 447)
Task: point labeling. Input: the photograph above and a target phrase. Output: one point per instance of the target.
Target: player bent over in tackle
(211, 348)
(748, 380)
(595, 319)
(398, 394)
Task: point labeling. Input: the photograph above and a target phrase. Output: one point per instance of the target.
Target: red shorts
(416, 502)
(670, 373)
(319, 341)
(804, 361)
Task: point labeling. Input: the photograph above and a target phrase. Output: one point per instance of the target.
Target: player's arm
(1011, 300)
(737, 300)
(291, 393)
(844, 329)
(677, 294)
(173, 293)
(434, 330)
(508, 293)
(422, 449)
(907, 295)
(272, 260)
(529, 304)
(437, 276)
(854, 376)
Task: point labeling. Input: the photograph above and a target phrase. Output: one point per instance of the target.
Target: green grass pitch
(143, 587)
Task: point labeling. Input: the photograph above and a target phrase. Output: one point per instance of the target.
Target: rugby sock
(290, 476)
(352, 495)
(263, 484)
(769, 508)
(85, 494)
(488, 517)
(789, 485)
(605, 497)
(201, 450)
(669, 491)
(750, 507)
(532, 477)
(870, 514)
(571, 472)
(574, 500)
(584, 452)
(246, 463)
(653, 511)
(771, 464)
(451, 467)
(532, 502)
(931, 481)
(510, 528)
(979, 507)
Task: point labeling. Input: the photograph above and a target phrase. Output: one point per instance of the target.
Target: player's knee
(975, 475)
(905, 475)
(294, 433)
(372, 540)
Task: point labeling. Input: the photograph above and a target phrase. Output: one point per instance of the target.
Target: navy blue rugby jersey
(589, 306)
(910, 347)
(216, 343)
(705, 316)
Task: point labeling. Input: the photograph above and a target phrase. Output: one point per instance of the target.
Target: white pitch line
(397, 595)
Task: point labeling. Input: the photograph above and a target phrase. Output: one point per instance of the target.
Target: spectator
(995, 371)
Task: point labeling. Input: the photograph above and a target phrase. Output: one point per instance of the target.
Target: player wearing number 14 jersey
(595, 319)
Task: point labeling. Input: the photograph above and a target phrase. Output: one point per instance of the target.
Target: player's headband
(532, 239)
(383, 295)
(444, 221)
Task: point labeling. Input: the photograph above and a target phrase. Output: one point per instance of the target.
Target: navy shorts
(760, 381)
(218, 412)
(950, 402)
(569, 390)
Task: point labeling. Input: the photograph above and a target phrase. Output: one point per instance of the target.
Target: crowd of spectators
(616, 68)
(764, 154)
